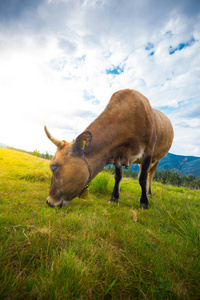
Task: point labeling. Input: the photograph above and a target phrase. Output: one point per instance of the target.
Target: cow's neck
(97, 162)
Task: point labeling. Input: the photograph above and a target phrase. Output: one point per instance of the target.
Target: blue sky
(61, 60)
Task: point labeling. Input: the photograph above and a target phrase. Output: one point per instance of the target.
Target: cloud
(14, 9)
(194, 111)
(67, 46)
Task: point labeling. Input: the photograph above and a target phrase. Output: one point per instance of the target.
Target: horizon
(61, 61)
(52, 153)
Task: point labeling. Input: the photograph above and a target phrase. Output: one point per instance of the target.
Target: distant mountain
(182, 164)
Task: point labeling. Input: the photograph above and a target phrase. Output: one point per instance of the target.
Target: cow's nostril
(49, 204)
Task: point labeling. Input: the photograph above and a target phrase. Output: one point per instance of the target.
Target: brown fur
(128, 131)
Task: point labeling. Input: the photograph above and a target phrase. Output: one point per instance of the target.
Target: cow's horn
(57, 142)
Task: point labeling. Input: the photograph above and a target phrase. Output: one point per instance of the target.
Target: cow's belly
(126, 160)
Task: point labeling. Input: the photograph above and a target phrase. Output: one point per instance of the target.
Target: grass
(92, 249)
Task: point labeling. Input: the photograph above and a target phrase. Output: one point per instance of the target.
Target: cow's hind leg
(150, 177)
(144, 203)
(118, 178)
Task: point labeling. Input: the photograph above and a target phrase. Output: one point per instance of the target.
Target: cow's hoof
(113, 199)
(144, 206)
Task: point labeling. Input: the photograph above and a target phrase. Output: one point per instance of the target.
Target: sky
(61, 61)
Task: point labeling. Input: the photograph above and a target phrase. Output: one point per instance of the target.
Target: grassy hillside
(90, 249)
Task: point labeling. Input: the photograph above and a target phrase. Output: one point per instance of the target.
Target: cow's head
(70, 169)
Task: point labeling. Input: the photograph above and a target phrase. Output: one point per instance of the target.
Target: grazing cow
(128, 131)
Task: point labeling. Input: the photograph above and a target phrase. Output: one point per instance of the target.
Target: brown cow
(128, 131)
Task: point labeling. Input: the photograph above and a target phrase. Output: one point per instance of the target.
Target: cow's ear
(82, 142)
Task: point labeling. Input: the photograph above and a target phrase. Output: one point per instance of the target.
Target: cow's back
(128, 119)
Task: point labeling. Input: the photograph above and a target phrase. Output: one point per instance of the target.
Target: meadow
(92, 249)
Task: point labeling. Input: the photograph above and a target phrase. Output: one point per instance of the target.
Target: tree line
(172, 177)
(42, 155)
(35, 153)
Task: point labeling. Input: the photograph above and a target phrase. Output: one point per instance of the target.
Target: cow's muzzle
(50, 203)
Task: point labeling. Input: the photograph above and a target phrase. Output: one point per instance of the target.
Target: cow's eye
(54, 168)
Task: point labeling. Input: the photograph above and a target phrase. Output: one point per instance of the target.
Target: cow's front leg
(144, 203)
(118, 178)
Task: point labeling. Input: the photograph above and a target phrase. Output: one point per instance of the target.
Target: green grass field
(92, 249)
